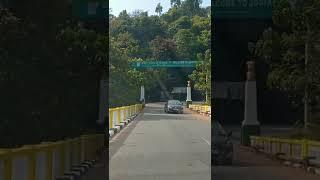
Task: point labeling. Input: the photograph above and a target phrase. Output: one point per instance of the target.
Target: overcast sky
(146, 5)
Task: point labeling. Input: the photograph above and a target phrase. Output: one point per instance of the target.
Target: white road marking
(206, 141)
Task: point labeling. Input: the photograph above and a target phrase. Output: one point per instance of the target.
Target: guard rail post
(119, 110)
(304, 150)
(111, 118)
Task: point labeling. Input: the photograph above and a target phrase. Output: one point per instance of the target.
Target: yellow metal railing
(48, 160)
(292, 148)
(202, 109)
(120, 114)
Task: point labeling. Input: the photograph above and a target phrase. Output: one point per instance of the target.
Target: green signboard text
(164, 64)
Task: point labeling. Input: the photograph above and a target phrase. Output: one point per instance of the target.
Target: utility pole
(306, 91)
(207, 88)
(297, 5)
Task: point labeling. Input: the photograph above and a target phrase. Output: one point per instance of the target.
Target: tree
(175, 3)
(50, 72)
(127, 44)
(202, 75)
(288, 50)
(174, 35)
(187, 45)
(191, 7)
(172, 15)
(163, 48)
(181, 23)
(159, 9)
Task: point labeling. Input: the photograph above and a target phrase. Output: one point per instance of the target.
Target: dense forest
(51, 63)
(50, 67)
(290, 49)
(182, 33)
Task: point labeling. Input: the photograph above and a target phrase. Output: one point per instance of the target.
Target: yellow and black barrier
(48, 160)
(290, 148)
(120, 114)
(201, 109)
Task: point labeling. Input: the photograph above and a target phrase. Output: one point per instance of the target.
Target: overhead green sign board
(165, 64)
(224, 9)
(90, 9)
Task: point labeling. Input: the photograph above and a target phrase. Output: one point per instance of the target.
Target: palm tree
(159, 9)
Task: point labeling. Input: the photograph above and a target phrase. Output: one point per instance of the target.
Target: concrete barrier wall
(120, 114)
(202, 109)
(292, 148)
(48, 160)
(1, 169)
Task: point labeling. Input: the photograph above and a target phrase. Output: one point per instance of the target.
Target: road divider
(201, 109)
(298, 153)
(119, 117)
(51, 160)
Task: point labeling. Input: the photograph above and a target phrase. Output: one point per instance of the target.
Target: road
(159, 146)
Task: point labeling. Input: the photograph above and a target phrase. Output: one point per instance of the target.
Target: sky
(146, 5)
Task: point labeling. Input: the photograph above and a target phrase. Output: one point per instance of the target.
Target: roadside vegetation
(292, 51)
(50, 69)
(182, 33)
(51, 64)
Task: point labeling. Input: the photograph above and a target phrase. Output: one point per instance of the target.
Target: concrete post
(250, 124)
(189, 100)
(142, 98)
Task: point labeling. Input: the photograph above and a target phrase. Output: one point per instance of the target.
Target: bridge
(144, 142)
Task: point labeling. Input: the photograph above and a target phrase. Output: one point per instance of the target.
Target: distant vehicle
(222, 148)
(173, 106)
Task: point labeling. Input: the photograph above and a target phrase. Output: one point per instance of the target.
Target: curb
(76, 172)
(123, 124)
(118, 128)
(201, 113)
(111, 133)
(288, 163)
(313, 170)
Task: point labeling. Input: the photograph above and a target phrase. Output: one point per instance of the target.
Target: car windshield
(174, 102)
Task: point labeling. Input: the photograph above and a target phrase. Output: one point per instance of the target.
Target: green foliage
(175, 3)
(176, 34)
(163, 48)
(43, 77)
(159, 9)
(181, 23)
(284, 49)
(202, 75)
(186, 43)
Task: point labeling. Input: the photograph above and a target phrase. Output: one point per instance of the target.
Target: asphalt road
(159, 146)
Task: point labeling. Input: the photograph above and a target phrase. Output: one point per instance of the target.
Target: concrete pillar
(142, 98)
(250, 124)
(189, 100)
(103, 101)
